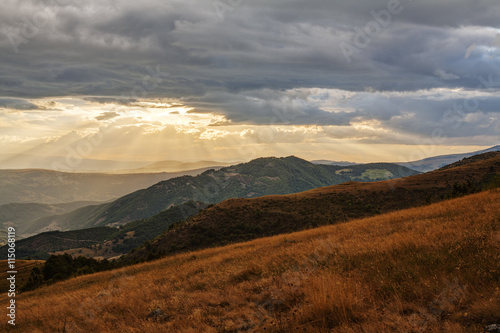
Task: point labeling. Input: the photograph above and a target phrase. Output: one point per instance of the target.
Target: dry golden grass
(428, 269)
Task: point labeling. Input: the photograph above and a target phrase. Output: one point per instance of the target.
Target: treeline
(150, 228)
(62, 267)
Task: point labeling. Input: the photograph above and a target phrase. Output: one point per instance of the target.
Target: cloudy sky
(232, 80)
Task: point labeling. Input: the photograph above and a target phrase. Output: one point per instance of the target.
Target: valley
(259, 177)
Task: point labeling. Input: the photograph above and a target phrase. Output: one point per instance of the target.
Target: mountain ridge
(241, 219)
(54, 187)
(436, 162)
(256, 178)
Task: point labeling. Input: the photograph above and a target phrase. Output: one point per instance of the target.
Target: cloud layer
(382, 71)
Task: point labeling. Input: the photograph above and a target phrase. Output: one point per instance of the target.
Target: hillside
(427, 269)
(52, 187)
(102, 242)
(472, 159)
(238, 220)
(259, 177)
(21, 214)
(436, 162)
(37, 246)
(3, 237)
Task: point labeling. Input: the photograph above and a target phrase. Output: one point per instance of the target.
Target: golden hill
(428, 269)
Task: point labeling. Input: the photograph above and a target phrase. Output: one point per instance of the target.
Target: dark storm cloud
(245, 65)
(269, 107)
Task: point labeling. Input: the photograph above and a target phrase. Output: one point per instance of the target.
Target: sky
(233, 80)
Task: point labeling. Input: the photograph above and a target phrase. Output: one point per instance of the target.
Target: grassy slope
(433, 268)
(244, 219)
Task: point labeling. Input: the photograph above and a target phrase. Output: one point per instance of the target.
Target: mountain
(39, 245)
(103, 242)
(65, 163)
(177, 166)
(428, 269)
(242, 219)
(472, 159)
(20, 215)
(52, 187)
(259, 177)
(436, 162)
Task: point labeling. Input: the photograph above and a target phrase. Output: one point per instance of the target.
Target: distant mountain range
(21, 214)
(52, 187)
(88, 165)
(243, 219)
(424, 165)
(436, 162)
(60, 163)
(264, 176)
(176, 166)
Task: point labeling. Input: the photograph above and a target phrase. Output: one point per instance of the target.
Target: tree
(35, 280)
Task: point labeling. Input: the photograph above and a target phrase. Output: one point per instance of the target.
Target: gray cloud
(247, 65)
(445, 76)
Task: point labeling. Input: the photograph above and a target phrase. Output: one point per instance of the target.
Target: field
(433, 268)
